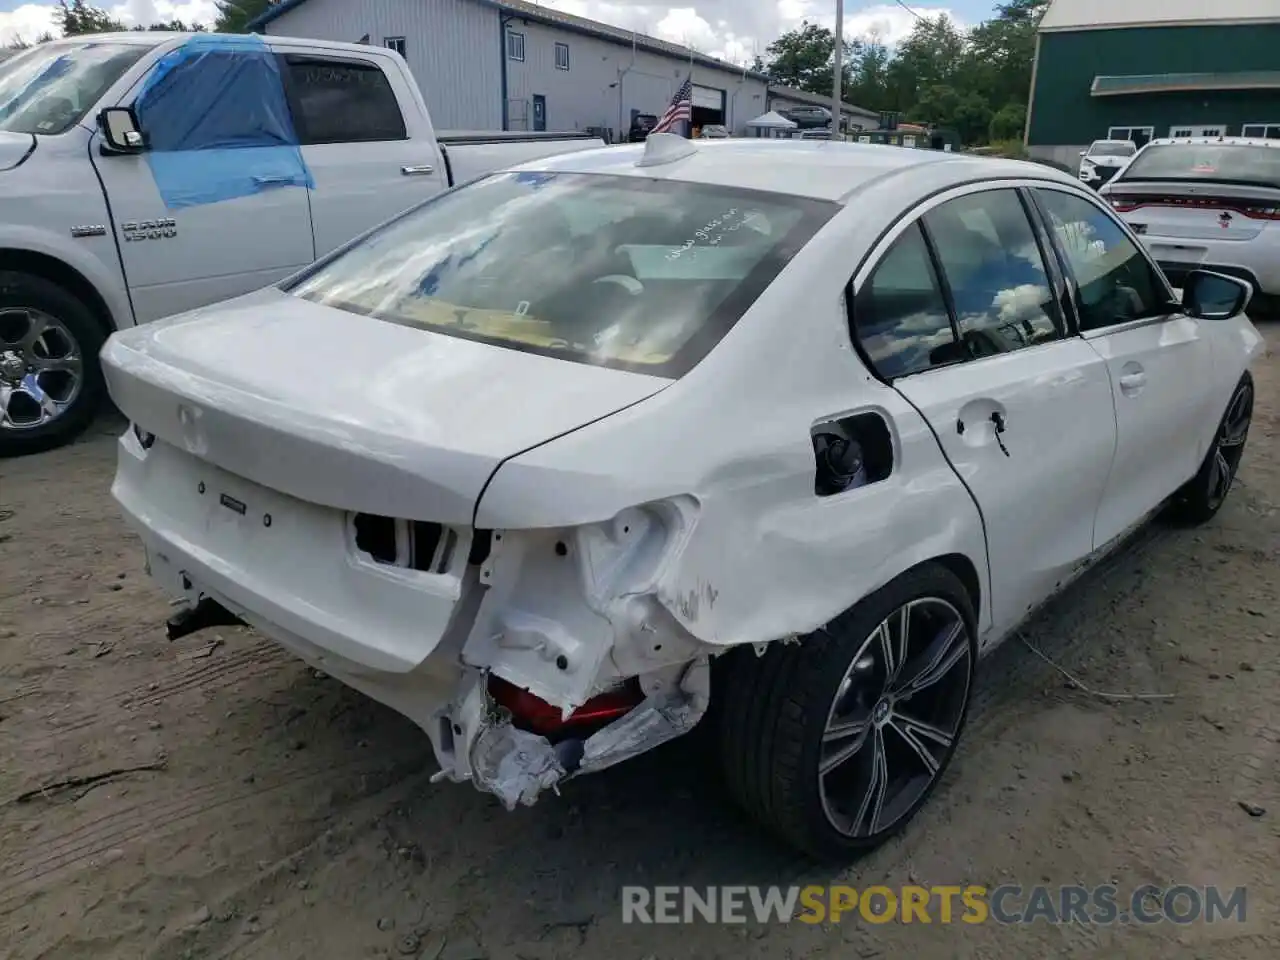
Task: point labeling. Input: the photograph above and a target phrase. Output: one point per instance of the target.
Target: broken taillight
(537, 716)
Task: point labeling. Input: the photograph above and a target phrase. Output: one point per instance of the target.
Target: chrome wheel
(41, 368)
(895, 718)
(1228, 446)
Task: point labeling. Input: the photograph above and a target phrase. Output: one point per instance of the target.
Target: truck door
(217, 206)
(365, 138)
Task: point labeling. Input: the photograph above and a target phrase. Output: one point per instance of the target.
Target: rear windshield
(623, 272)
(1113, 148)
(1210, 162)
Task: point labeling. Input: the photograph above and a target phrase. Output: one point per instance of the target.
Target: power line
(908, 9)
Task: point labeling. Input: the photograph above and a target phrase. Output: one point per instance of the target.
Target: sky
(733, 30)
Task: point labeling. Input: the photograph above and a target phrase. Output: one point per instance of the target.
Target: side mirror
(1083, 152)
(1214, 296)
(120, 130)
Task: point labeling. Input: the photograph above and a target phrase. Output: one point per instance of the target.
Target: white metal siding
(452, 47)
(455, 50)
(606, 81)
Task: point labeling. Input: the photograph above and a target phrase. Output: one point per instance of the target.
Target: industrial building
(1141, 69)
(513, 65)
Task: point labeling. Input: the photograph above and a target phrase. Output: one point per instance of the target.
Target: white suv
(1104, 159)
(1205, 202)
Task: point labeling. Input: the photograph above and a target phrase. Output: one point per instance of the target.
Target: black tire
(20, 291)
(1203, 495)
(775, 709)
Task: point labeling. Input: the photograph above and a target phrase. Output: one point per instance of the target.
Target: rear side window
(995, 271)
(341, 101)
(900, 317)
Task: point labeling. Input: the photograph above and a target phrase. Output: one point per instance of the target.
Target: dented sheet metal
(194, 107)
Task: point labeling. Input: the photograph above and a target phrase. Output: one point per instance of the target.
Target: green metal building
(1141, 69)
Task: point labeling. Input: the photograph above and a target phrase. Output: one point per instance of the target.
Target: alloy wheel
(1228, 446)
(895, 718)
(41, 368)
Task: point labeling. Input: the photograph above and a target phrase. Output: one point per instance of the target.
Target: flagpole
(837, 103)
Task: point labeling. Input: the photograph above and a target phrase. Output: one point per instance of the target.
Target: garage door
(709, 98)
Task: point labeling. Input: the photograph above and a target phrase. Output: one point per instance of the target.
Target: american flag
(681, 109)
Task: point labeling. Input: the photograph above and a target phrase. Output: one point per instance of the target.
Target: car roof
(830, 170)
(1225, 141)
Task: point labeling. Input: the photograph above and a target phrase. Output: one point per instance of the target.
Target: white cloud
(734, 30)
(30, 20)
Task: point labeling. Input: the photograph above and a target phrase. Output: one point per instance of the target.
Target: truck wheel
(50, 380)
(836, 741)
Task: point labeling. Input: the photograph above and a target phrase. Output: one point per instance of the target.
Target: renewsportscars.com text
(1006, 904)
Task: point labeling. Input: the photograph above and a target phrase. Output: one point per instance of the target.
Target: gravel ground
(227, 801)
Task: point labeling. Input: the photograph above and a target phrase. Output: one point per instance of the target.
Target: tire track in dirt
(219, 671)
(50, 858)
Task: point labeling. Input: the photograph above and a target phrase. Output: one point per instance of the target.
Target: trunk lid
(347, 411)
(1200, 211)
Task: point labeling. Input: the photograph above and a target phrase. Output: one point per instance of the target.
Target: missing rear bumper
(517, 766)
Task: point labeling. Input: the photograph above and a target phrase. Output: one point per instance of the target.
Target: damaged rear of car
(335, 462)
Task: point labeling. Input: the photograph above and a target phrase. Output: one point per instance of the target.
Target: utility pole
(837, 100)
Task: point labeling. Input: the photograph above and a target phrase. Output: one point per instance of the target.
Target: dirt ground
(266, 811)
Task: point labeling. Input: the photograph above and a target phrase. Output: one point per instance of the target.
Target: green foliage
(1008, 122)
(975, 82)
(805, 58)
(75, 17)
(234, 15)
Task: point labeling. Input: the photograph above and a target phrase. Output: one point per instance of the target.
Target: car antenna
(660, 148)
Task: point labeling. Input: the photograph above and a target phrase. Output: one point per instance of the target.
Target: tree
(805, 59)
(75, 17)
(1002, 49)
(234, 15)
(1008, 122)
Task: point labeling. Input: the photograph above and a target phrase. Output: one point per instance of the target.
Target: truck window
(48, 89)
(215, 99)
(341, 101)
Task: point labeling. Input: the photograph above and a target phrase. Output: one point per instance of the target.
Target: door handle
(265, 181)
(1132, 383)
(417, 170)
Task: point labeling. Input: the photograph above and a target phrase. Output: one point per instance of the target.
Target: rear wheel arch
(64, 275)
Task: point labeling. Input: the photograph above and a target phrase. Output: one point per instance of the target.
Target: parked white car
(1104, 159)
(1211, 203)
(147, 173)
(552, 464)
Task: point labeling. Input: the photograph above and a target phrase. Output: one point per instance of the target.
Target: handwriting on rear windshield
(713, 232)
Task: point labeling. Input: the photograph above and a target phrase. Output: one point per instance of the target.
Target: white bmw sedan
(782, 434)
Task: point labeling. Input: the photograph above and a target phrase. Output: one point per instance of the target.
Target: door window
(900, 316)
(342, 101)
(1116, 282)
(215, 99)
(993, 266)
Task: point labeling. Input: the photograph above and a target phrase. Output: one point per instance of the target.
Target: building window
(1267, 131)
(562, 56)
(515, 46)
(1189, 130)
(1139, 135)
(396, 44)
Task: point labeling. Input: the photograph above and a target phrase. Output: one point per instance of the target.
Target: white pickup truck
(144, 174)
